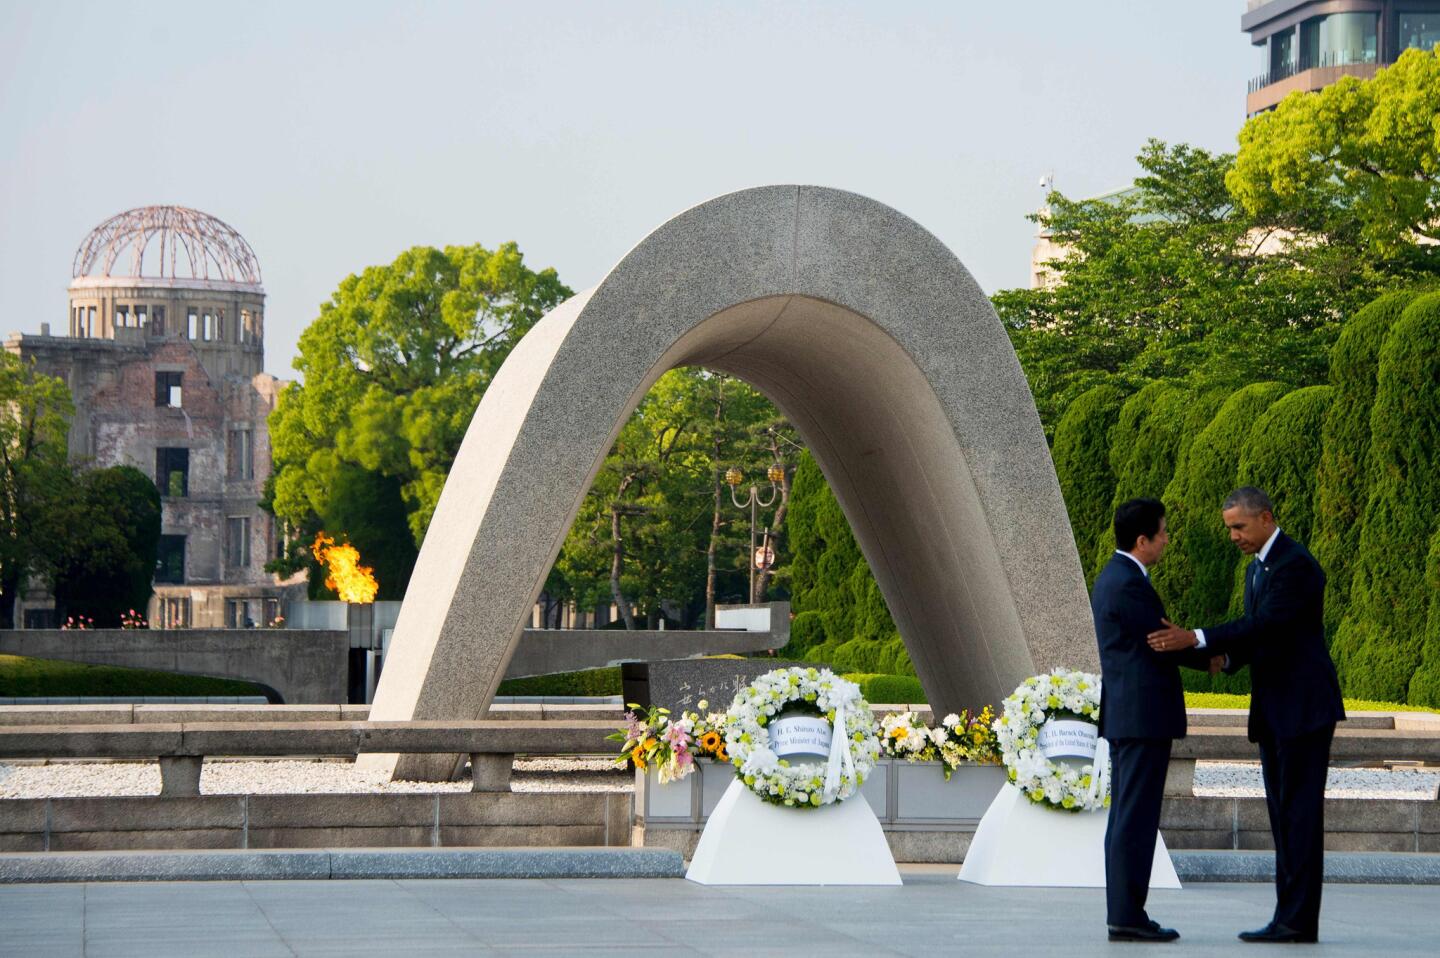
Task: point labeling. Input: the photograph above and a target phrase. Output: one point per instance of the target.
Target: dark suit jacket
(1282, 638)
(1141, 695)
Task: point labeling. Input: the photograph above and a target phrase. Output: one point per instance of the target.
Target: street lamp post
(752, 501)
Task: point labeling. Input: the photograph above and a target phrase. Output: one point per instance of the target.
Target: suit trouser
(1295, 770)
(1137, 787)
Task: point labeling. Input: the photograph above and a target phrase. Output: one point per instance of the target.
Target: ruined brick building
(164, 356)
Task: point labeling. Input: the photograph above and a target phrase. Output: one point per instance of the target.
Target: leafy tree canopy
(393, 368)
(34, 417)
(104, 533)
(1172, 279)
(1354, 164)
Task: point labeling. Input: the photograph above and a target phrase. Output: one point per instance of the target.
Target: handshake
(1172, 638)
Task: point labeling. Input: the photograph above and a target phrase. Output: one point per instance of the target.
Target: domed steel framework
(176, 238)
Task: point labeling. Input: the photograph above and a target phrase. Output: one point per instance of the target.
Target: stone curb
(323, 864)
(1343, 868)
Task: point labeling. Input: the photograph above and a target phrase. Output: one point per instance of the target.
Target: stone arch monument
(873, 340)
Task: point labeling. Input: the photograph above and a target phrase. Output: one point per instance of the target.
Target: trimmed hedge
(1154, 431)
(1278, 455)
(35, 678)
(1342, 483)
(1082, 464)
(589, 682)
(1377, 647)
(1425, 686)
(888, 689)
(840, 616)
(1194, 576)
(1282, 453)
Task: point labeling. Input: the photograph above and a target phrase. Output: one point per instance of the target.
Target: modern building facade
(1309, 44)
(164, 358)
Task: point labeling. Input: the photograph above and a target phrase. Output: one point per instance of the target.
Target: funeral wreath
(802, 775)
(1048, 719)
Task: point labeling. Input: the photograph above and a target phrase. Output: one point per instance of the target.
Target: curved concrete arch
(873, 339)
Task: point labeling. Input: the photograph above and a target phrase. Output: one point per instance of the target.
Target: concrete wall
(301, 666)
(316, 821)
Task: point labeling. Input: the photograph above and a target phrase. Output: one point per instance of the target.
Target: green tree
(1377, 647)
(1279, 455)
(840, 615)
(34, 415)
(1355, 165)
(370, 509)
(1155, 429)
(105, 534)
(1171, 280)
(1425, 686)
(1195, 575)
(1082, 464)
(657, 527)
(393, 369)
(1342, 486)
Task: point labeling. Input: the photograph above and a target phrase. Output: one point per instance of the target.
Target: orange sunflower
(711, 742)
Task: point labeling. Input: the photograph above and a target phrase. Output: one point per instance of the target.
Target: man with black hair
(1142, 710)
(1294, 700)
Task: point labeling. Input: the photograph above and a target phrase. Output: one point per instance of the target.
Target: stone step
(338, 863)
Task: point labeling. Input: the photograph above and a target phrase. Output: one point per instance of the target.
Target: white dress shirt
(1259, 557)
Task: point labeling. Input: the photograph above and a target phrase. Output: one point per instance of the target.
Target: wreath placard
(1052, 717)
(812, 775)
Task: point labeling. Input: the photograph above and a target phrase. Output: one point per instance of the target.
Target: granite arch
(878, 345)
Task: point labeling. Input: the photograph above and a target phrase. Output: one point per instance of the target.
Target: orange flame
(353, 581)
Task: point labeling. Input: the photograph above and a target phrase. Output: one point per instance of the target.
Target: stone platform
(930, 914)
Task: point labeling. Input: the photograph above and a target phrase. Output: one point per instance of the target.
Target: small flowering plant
(1060, 694)
(133, 620)
(78, 622)
(904, 735)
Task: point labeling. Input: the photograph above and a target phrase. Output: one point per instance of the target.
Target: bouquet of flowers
(903, 735)
(652, 736)
(708, 732)
(968, 738)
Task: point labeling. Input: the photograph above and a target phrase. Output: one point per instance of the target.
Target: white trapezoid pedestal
(748, 841)
(1019, 843)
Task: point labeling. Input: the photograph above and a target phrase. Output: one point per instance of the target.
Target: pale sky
(335, 135)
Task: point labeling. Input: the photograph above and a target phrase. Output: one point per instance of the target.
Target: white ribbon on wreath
(1100, 773)
(841, 762)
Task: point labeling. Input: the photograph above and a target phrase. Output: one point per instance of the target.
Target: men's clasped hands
(1172, 638)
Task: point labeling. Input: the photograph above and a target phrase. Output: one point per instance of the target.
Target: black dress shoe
(1279, 934)
(1150, 932)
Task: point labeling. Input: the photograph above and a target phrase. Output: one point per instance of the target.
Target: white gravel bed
(70, 780)
(74, 780)
(1242, 780)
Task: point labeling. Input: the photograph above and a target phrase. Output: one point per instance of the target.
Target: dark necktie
(1253, 577)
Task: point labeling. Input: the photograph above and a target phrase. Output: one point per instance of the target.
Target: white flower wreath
(802, 784)
(1060, 694)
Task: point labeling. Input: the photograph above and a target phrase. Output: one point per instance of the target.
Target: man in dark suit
(1142, 709)
(1294, 701)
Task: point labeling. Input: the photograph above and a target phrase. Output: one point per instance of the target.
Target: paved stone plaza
(932, 915)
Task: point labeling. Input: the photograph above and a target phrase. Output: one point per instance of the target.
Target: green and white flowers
(801, 784)
(1054, 695)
